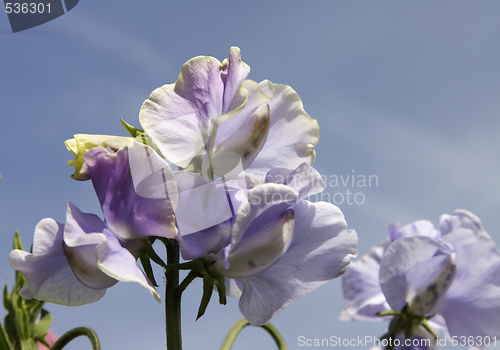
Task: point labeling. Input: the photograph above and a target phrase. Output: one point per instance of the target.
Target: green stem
(238, 326)
(173, 298)
(74, 333)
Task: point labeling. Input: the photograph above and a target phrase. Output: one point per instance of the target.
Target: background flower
(451, 274)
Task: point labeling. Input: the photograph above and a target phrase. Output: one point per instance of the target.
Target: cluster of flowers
(237, 208)
(236, 205)
(428, 281)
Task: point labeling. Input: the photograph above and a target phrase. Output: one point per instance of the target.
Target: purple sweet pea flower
(219, 123)
(136, 189)
(450, 276)
(278, 247)
(74, 264)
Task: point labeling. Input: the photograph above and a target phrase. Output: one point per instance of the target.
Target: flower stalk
(74, 333)
(238, 327)
(173, 298)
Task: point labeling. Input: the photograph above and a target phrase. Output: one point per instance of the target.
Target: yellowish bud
(81, 143)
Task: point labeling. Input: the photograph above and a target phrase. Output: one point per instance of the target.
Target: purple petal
(118, 263)
(178, 116)
(201, 243)
(361, 287)
(47, 272)
(129, 214)
(254, 253)
(461, 219)
(205, 212)
(471, 307)
(421, 227)
(237, 152)
(202, 204)
(304, 179)
(83, 233)
(98, 259)
(320, 250)
(234, 72)
(413, 263)
(261, 206)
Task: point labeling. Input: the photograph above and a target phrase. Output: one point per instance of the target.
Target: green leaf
(4, 340)
(131, 129)
(7, 303)
(150, 252)
(21, 319)
(148, 270)
(27, 344)
(208, 288)
(18, 244)
(42, 326)
(34, 306)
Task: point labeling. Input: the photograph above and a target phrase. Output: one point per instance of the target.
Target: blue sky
(408, 91)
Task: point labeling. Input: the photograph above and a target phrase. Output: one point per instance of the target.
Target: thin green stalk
(237, 328)
(173, 299)
(74, 333)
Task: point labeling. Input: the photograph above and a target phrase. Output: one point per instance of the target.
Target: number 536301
(32, 7)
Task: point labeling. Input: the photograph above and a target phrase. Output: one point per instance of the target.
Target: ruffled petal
(320, 250)
(292, 133)
(47, 272)
(179, 116)
(471, 307)
(362, 293)
(304, 179)
(461, 219)
(420, 227)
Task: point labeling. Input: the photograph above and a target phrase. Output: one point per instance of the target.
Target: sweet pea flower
(278, 247)
(216, 121)
(81, 143)
(74, 264)
(429, 280)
